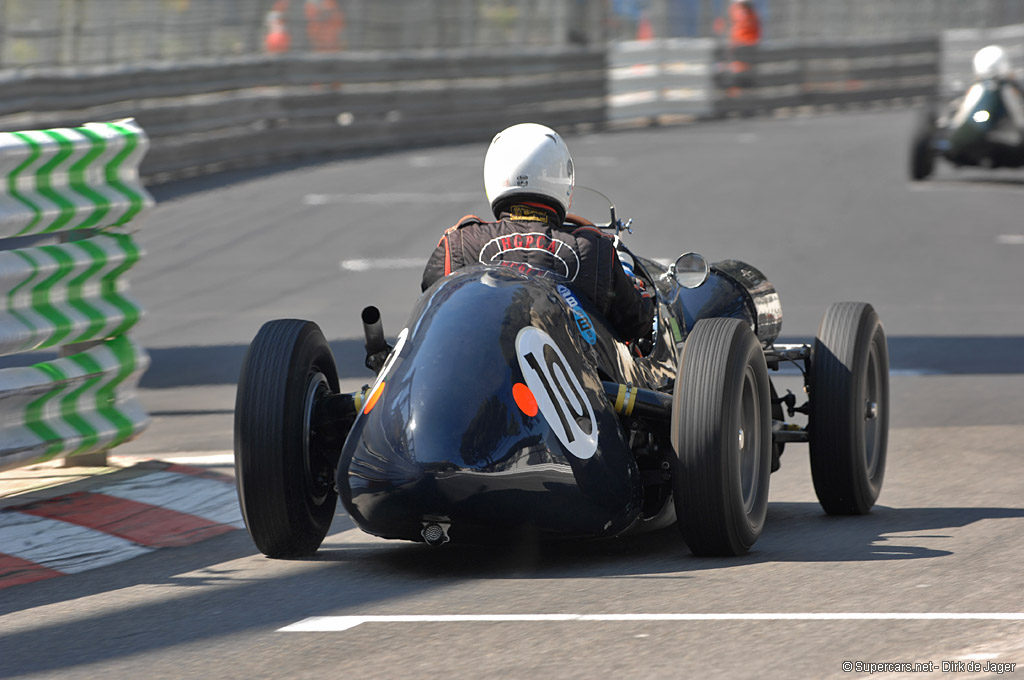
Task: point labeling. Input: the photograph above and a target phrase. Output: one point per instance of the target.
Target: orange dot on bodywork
(525, 400)
(372, 400)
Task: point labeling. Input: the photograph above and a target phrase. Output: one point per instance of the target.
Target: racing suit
(531, 239)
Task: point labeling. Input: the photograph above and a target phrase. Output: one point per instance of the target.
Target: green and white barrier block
(79, 404)
(69, 293)
(71, 178)
(70, 182)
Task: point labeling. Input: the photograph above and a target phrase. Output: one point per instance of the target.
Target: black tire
(285, 483)
(849, 418)
(922, 157)
(722, 434)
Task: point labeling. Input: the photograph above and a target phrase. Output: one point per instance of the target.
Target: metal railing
(77, 33)
(120, 32)
(203, 117)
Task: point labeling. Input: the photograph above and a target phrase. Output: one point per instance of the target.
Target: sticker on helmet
(559, 394)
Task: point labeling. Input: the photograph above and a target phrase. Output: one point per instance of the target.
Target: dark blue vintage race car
(506, 408)
(975, 130)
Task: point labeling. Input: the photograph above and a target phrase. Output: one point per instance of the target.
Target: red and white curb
(175, 506)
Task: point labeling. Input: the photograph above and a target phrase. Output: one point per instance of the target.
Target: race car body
(506, 407)
(978, 129)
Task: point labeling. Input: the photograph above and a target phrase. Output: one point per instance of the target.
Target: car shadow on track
(221, 595)
(977, 179)
(795, 532)
(801, 532)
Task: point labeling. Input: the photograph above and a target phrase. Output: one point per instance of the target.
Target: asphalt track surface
(822, 205)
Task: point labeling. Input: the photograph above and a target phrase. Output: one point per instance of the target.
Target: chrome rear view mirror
(690, 270)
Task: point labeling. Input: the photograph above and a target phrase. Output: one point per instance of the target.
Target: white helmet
(991, 61)
(528, 160)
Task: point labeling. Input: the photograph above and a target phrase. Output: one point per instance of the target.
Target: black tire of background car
(849, 418)
(285, 487)
(721, 477)
(922, 158)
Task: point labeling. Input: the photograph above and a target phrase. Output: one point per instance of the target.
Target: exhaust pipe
(637, 401)
(377, 348)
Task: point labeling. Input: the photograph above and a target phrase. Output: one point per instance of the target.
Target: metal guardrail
(818, 74)
(652, 78)
(72, 295)
(247, 111)
(661, 78)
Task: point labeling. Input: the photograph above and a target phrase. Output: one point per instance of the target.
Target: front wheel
(721, 431)
(284, 475)
(849, 419)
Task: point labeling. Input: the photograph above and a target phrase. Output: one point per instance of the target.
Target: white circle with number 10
(559, 394)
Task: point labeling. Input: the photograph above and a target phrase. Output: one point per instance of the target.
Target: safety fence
(701, 78)
(80, 188)
(116, 32)
(37, 33)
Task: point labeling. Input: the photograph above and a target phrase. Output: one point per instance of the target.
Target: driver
(529, 178)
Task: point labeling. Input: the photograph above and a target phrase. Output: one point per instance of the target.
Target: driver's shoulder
(466, 221)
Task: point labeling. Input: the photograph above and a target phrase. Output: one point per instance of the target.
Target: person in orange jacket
(744, 33)
(324, 23)
(277, 40)
(745, 25)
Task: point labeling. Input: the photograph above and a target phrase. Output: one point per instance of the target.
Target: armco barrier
(651, 78)
(70, 295)
(208, 116)
(820, 74)
(661, 78)
(252, 110)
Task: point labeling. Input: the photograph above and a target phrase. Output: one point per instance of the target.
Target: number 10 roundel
(560, 397)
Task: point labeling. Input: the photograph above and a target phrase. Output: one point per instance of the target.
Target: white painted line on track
(328, 624)
(62, 546)
(366, 264)
(394, 197)
(1010, 239)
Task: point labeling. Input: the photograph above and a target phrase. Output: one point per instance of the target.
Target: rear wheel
(849, 419)
(284, 475)
(721, 431)
(922, 157)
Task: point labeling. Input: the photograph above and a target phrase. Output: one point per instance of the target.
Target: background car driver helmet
(991, 61)
(528, 161)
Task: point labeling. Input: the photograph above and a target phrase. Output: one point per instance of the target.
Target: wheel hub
(742, 439)
(871, 410)
(318, 486)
